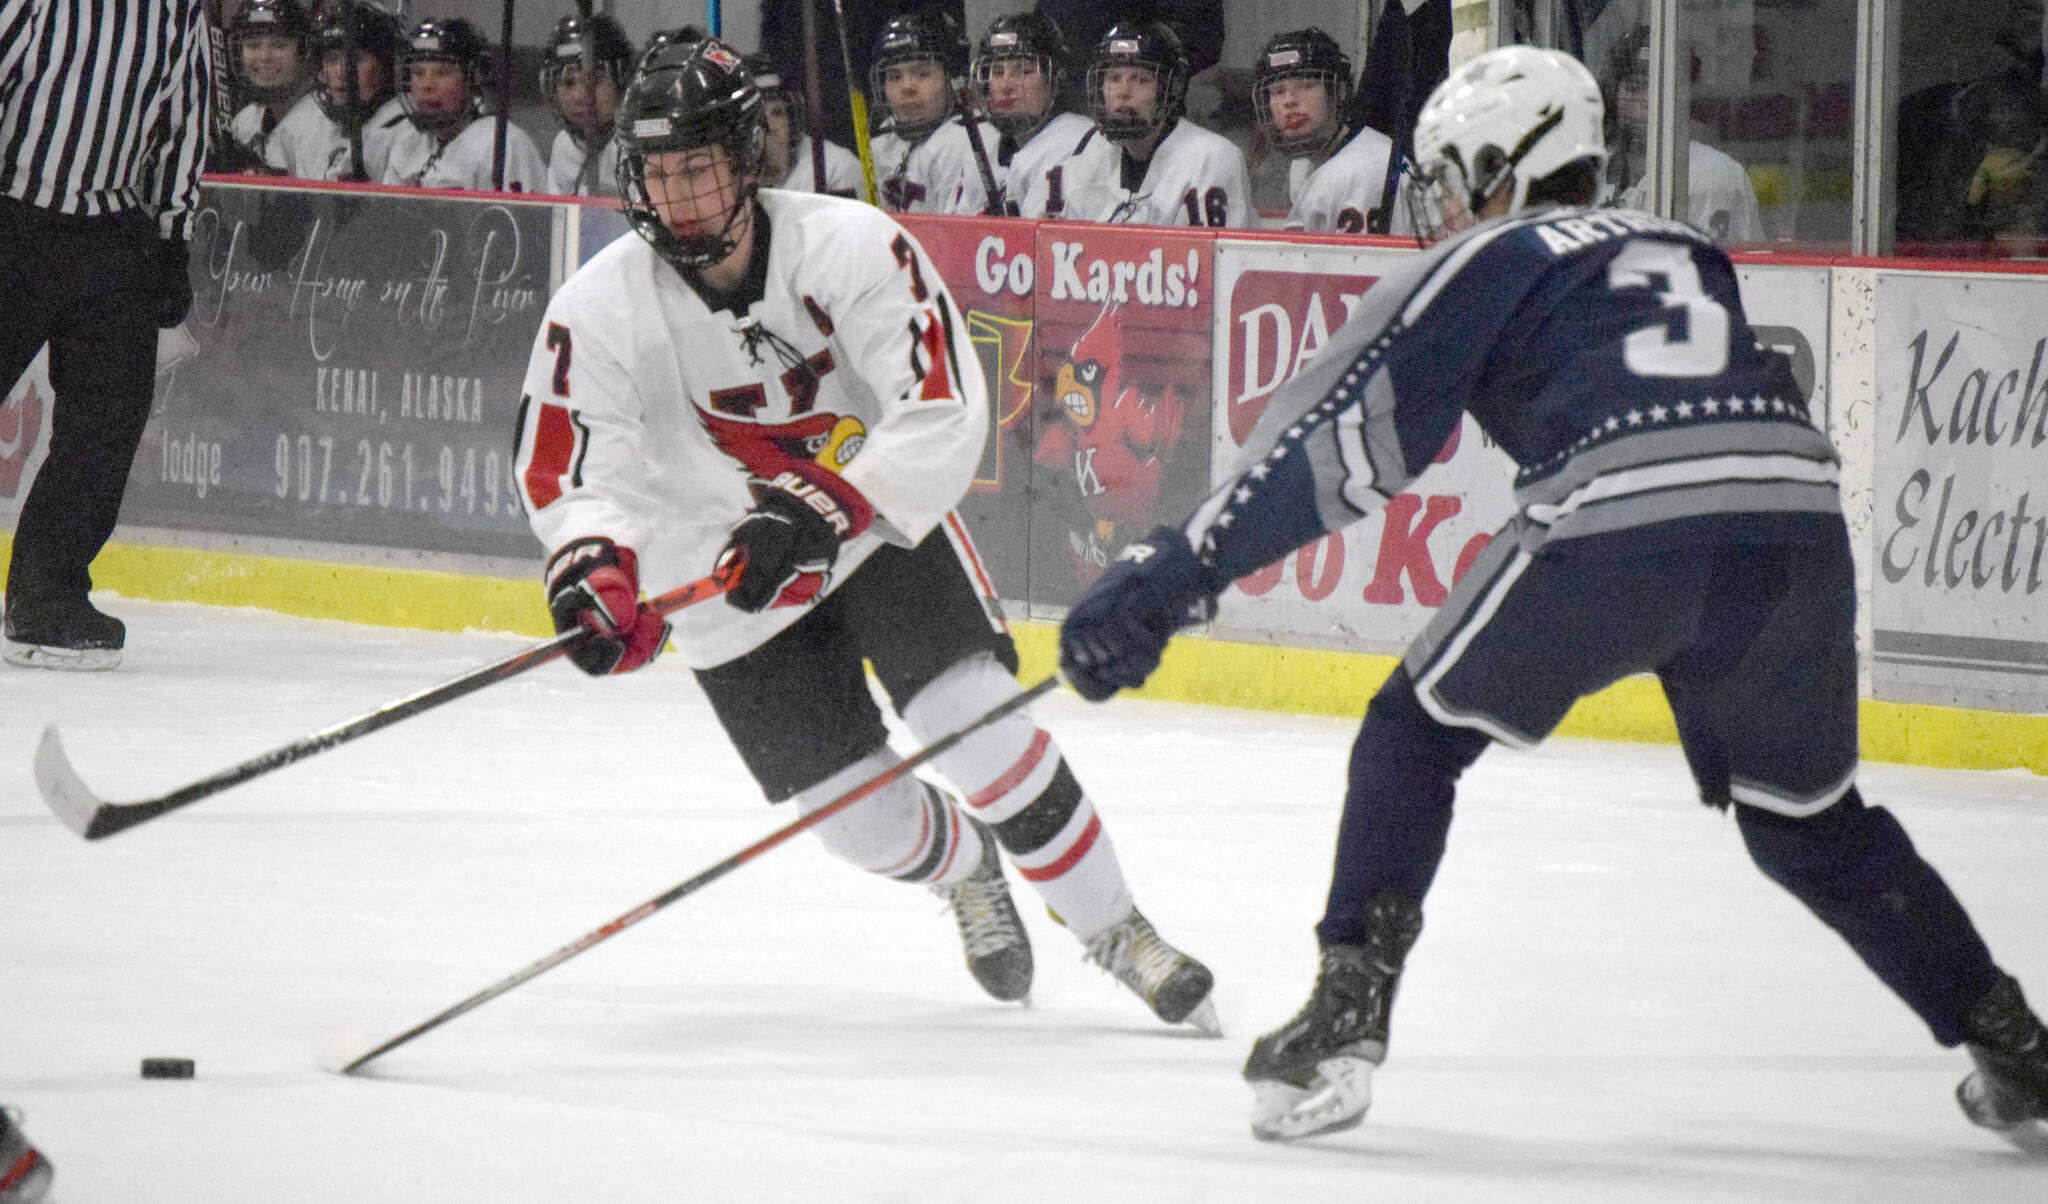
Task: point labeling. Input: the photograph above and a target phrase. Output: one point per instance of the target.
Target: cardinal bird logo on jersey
(1112, 434)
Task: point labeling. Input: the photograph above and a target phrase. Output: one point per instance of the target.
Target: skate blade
(76, 660)
(1335, 1101)
(1203, 1019)
(2025, 1133)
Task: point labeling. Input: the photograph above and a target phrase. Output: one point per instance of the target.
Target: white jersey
(419, 159)
(309, 145)
(1195, 177)
(842, 170)
(1718, 196)
(646, 412)
(571, 172)
(1340, 196)
(248, 128)
(937, 174)
(1036, 184)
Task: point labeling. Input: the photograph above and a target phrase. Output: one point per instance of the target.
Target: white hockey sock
(1014, 779)
(909, 830)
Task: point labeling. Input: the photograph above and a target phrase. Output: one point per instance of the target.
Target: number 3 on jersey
(1667, 269)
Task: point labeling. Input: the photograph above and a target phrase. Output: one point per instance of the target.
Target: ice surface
(1609, 1003)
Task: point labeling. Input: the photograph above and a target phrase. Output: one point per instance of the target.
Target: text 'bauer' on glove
(1116, 632)
(789, 540)
(595, 584)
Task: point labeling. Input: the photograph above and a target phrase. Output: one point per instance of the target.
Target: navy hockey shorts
(798, 707)
(1749, 625)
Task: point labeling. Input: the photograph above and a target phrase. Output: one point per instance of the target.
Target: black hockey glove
(1117, 630)
(173, 281)
(788, 543)
(595, 584)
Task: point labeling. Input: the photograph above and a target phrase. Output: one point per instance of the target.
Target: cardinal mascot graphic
(1111, 435)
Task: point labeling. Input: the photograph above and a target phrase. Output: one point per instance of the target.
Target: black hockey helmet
(928, 35)
(663, 42)
(684, 97)
(777, 87)
(1302, 54)
(286, 19)
(445, 40)
(353, 28)
(1028, 36)
(1154, 46)
(599, 39)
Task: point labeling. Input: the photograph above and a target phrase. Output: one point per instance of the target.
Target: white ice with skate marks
(1607, 1003)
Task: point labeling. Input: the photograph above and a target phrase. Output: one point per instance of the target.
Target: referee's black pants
(87, 286)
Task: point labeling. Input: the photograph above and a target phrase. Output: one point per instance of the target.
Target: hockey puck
(168, 1068)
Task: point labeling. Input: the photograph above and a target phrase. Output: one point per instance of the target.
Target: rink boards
(336, 442)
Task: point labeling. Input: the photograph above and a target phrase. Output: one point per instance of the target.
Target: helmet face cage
(453, 41)
(1018, 125)
(270, 19)
(697, 99)
(1309, 54)
(1172, 95)
(357, 32)
(921, 37)
(610, 57)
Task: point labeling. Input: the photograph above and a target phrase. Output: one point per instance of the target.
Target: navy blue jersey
(1604, 350)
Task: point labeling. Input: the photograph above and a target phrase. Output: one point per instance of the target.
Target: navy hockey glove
(173, 281)
(789, 541)
(1117, 630)
(595, 584)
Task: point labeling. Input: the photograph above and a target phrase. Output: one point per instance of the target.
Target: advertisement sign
(1959, 551)
(1374, 585)
(24, 433)
(1120, 425)
(356, 373)
(1788, 309)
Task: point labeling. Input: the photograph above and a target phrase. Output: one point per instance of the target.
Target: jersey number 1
(1668, 269)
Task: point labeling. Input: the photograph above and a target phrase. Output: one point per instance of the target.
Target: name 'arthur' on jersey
(837, 363)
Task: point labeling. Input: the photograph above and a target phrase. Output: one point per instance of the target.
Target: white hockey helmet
(1518, 111)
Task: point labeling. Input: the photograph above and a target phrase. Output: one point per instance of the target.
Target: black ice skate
(24, 1173)
(1313, 1074)
(72, 635)
(998, 950)
(1174, 985)
(2008, 1092)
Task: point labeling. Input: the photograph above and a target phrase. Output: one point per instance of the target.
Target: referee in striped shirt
(104, 114)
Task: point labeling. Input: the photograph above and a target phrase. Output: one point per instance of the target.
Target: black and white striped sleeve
(188, 118)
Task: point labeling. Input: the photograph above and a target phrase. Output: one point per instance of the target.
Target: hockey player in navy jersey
(775, 380)
(1678, 514)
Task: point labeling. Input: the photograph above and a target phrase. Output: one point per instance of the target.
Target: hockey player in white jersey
(779, 384)
(1018, 67)
(270, 43)
(447, 146)
(356, 112)
(1719, 198)
(1337, 179)
(1158, 168)
(589, 62)
(791, 161)
(924, 160)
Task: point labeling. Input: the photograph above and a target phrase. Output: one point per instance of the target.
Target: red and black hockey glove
(595, 584)
(789, 541)
(1116, 632)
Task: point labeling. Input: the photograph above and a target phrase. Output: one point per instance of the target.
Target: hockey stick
(502, 86)
(814, 96)
(857, 101)
(970, 117)
(94, 818)
(778, 836)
